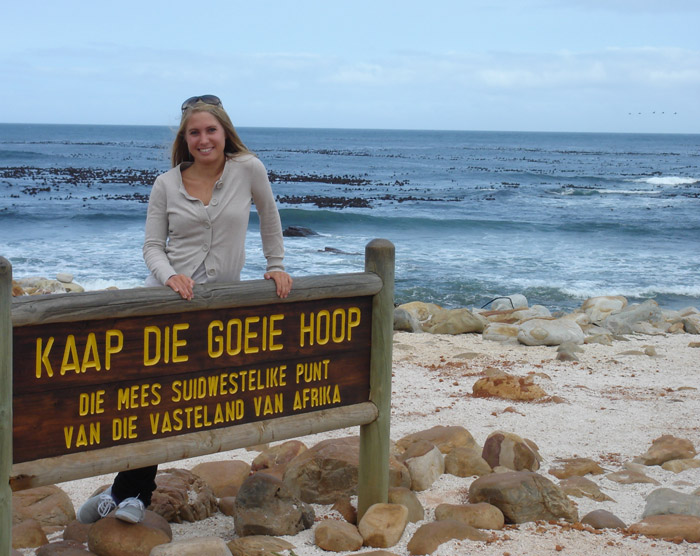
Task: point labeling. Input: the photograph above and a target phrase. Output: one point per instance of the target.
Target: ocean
(557, 217)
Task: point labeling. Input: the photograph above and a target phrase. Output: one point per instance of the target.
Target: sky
(502, 65)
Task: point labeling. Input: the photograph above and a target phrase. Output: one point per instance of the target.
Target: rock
(466, 461)
(670, 527)
(328, 471)
(76, 531)
(523, 496)
(430, 536)
(480, 516)
(544, 332)
(211, 546)
(64, 277)
(446, 438)
(62, 548)
(667, 448)
(405, 321)
(337, 536)
(515, 301)
(602, 339)
(112, 537)
(666, 501)
(570, 467)
(603, 519)
(28, 534)
(182, 496)
(630, 476)
(692, 324)
(421, 312)
(258, 545)
(278, 455)
(373, 553)
(624, 321)
(500, 332)
(406, 497)
(508, 387)
(383, 524)
(226, 505)
(678, 465)
(345, 508)
(536, 311)
(223, 477)
(298, 231)
(600, 308)
(265, 506)
(580, 486)
(455, 321)
(509, 450)
(41, 286)
(425, 463)
(17, 290)
(49, 505)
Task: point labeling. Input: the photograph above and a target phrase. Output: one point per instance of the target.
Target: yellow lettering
(213, 341)
(177, 343)
(91, 358)
(42, 357)
(111, 349)
(70, 356)
(148, 333)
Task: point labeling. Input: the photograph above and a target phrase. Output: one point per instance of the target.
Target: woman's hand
(181, 284)
(283, 281)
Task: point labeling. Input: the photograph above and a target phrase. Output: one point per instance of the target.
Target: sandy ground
(617, 401)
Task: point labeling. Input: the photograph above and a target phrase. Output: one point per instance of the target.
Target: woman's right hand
(181, 284)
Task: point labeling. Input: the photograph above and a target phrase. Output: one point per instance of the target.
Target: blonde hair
(233, 146)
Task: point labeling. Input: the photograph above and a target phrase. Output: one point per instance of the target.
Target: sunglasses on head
(206, 99)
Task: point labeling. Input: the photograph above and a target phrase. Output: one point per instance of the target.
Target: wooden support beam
(374, 437)
(5, 406)
(153, 452)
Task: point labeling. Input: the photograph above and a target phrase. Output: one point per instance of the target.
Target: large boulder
(523, 496)
(49, 505)
(508, 387)
(671, 527)
(329, 470)
(666, 501)
(223, 477)
(506, 449)
(550, 332)
(628, 320)
(265, 506)
(455, 321)
(111, 537)
(446, 438)
(383, 524)
(182, 496)
(666, 448)
(600, 308)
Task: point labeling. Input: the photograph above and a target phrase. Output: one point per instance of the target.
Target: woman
(195, 233)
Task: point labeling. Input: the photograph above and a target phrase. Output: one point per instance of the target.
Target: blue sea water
(558, 217)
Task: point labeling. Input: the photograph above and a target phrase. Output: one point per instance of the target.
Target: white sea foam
(668, 180)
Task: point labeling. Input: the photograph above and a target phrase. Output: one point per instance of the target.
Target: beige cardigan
(181, 233)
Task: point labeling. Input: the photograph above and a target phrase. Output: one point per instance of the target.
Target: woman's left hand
(283, 281)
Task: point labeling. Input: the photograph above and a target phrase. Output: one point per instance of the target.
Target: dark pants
(135, 483)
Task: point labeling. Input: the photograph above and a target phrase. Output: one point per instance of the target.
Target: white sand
(616, 405)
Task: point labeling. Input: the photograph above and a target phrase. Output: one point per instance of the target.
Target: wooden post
(5, 406)
(373, 479)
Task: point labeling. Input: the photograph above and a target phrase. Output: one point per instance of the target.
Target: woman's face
(205, 138)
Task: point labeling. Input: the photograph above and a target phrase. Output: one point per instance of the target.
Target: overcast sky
(530, 65)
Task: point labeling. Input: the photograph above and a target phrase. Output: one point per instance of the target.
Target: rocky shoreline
(516, 432)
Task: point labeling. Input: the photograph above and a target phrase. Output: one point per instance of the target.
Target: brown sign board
(81, 386)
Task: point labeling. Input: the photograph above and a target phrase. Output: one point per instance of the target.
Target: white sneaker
(131, 510)
(96, 507)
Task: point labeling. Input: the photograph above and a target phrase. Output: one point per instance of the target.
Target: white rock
(65, 277)
(515, 301)
(542, 332)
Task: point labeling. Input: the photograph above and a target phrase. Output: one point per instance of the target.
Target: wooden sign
(81, 386)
